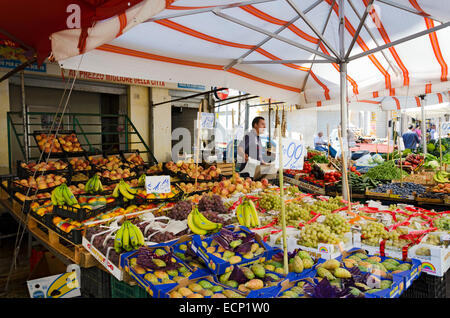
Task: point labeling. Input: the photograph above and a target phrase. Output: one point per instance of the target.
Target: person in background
(418, 131)
(433, 133)
(319, 143)
(410, 138)
(251, 146)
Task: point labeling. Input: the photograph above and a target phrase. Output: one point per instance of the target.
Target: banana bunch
(441, 177)
(129, 237)
(141, 180)
(124, 189)
(63, 196)
(199, 224)
(93, 185)
(247, 215)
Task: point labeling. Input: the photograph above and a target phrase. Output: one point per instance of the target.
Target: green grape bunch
(337, 223)
(372, 232)
(313, 234)
(269, 201)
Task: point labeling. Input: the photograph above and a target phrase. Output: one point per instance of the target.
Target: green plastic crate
(123, 290)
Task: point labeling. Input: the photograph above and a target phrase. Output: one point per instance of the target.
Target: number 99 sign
(293, 154)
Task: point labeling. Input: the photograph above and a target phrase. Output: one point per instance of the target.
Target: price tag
(445, 129)
(207, 120)
(157, 184)
(293, 154)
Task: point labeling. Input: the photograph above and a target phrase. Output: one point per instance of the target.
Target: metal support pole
(247, 115)
(24, 117)
(343, 99)
(424, 133)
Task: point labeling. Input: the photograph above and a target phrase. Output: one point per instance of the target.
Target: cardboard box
(219, 266)
(102, 259)
(155, 290)
(187, 282)
(65, 285)
(436, 263)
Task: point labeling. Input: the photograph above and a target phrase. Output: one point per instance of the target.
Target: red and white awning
(266, 47)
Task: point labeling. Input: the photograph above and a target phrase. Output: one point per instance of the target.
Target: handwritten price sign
(207, 120)
(445, 128)
(293, 154)
(157, 184)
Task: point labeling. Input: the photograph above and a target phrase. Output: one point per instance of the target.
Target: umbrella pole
(440, 144)
(197, 150)
(283, 214)
(345, 184)
(424, 140)
(232, 145)
(328, 141)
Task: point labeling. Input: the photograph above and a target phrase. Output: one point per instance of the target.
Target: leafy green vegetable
(385, 171)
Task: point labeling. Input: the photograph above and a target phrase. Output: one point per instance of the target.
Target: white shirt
(318, 141)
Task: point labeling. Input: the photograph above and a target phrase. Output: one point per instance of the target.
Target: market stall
(183, 230)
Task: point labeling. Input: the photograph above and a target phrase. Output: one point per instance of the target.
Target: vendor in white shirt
(319, 143)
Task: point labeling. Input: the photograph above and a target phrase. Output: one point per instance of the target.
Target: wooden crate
(73, 252)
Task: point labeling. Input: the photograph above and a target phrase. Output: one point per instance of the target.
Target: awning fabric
(215, 42)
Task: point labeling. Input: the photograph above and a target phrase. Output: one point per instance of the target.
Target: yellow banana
(118, 239)
(72, 198)
(193, 227)
(124, 192)
(254, 213)
(247, 215)
(115, 192)
(59, 196)
(53, 197)
(133, 237)
(202, 222)
(125, 237)
(129, 189)
(240, 214)
(65, 194)
(140, 236)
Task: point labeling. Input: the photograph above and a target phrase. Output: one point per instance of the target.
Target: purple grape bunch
(180, 210)
(212, 203)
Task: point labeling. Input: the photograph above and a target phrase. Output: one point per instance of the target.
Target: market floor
(17, 286)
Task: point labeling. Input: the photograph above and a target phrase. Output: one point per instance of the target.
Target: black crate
(428, 286)
(81, 214)
(74, 236)
(53, 154)
(24, 173)
(138, 200)
(27, 203)
(95, 283)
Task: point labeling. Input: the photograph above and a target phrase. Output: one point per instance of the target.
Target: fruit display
(42, 182)
(190, 187)
(62, 195)
(94, 185)
(48, 143)
(404, 189)
(203, 288)
(212, 203)
(22, 197)
(247, 215)
(155, 169)
(270, 201)
(442, 188)
(94, 202)
(189, 169)
(184, 252)
(158, 266)
(316, 156)
(233, 246)
(79, 177)
(332, 177)
(174, 192)
(372, 233)
(375, 264)
(441, 177)
(238, 185)
(249, 278)
(412, 161)
(123, 189)
(80, 164)
(128, 237)
(45, 166)
(116, 174)
(180, 210)
(199, 224)
(299, 262)
(134, 159)
(313, 234)
(442, 223)
(358, 184)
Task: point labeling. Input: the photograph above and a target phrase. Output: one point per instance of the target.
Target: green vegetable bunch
(385, 171)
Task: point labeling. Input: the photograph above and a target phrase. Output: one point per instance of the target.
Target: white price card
(445, 129)
(207, 120)
(157, 184)
(294, 152)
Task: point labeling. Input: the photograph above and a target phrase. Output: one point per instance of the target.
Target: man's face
(320, 134)
(260, 127)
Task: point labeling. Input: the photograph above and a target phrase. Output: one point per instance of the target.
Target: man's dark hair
(256, 120)
(410, 127)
